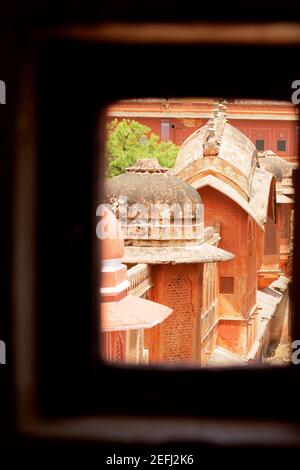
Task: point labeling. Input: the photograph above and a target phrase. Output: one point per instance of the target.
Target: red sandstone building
(270, 125)
(239, 197)
(124, 317)
(222, 312)
(180, 260)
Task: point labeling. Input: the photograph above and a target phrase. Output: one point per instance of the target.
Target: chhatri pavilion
(209, 239)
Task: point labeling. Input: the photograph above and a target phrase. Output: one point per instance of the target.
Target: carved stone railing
(139, 280)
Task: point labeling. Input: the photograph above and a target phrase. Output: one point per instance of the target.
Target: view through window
(196, 232)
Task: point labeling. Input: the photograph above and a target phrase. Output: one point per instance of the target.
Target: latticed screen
(132, 350)
(177, 329)
(226, 285)
(284, 232)
(270, 237)
(119, 348)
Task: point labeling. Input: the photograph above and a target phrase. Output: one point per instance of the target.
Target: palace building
(269, 125)
(239, 196)
(180, 254)
(278, 258)
(210, 240)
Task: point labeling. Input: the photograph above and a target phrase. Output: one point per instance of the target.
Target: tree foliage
(129, 140)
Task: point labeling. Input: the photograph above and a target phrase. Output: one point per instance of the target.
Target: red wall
(238, 235)
(268, 130)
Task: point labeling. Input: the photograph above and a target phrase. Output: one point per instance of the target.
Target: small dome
(274, 164)
(111, 235)
(148, 185)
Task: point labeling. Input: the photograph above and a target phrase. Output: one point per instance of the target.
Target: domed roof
(171, 236)
(154, 206)
(148, 183)
(229, 152)
(274, 164)
(220, 156)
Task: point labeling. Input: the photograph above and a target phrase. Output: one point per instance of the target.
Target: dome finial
(223, 109)
(210, 146)
(146, 165)
(215, 113)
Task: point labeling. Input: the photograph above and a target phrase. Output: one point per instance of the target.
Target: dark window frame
(281, 142)
(261, 145)
(67, 379)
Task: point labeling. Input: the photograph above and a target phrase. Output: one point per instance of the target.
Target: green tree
(129, 140)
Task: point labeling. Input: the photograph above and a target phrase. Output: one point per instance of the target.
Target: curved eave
(201, 253)
(263, 194)
(132, 313)
(228, 191)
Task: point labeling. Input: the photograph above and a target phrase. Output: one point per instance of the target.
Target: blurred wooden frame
(30, 422)
(181, 33)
